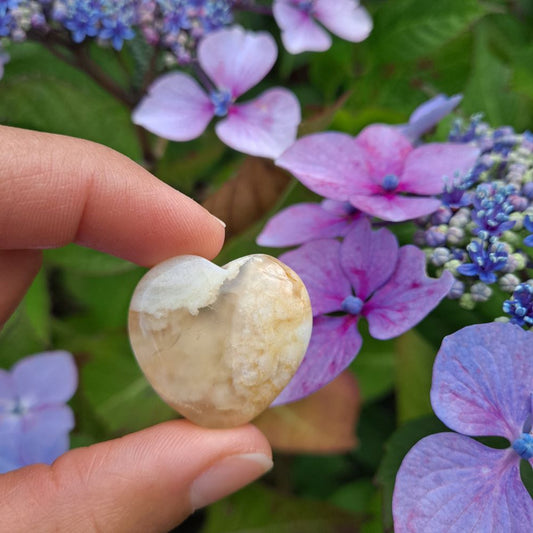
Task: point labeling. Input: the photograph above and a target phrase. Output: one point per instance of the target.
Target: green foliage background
(79, 302)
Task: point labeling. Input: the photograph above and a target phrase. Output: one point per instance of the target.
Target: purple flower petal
(235, 59)
(48, 420)
(407, 297)
(483, 379)
(395, 208)
(429, 114)
(10, 430)
(385, 149)
(345, 18)
(451, 483)
(318, 264)
(427, 165)
(328, 164)
(302, 223)
(339, 208)
(7, 391)
(299, 32)
(175, 108)
(265, 126)
(368, 257)
(43, 449)
(45, 436)
(45, 379)
(6, 465)
(334, 344)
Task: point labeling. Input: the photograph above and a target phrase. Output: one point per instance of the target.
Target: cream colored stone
(219, 344)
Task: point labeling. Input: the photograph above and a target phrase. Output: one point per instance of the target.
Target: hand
(55, 190)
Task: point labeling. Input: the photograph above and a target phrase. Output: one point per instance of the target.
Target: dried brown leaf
(321, 423)
(249, 195)
(322, 119)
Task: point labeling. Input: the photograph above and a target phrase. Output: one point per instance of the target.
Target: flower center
(221, 100)
(17, 408)
(390, 182)
(352, 304)
(523, 446)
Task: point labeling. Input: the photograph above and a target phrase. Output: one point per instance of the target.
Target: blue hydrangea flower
(491, 209)
(34, 420)
(180, 24)
(110, 20)
(520, 307)
(448, 482)
(17, 17)
(455, 193)
(528, 224)
(117, 30)
(487, 257)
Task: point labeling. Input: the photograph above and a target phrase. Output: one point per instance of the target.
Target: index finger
(56, 189)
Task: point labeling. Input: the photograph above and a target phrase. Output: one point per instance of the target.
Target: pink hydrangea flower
(300, 31)
(378, 172)
(448, 482)
(367, 275)
(234, 60)
(34, 420)
(308, 221)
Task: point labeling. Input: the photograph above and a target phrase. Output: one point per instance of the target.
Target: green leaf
(409, 30)
(41, 92)
(187, 165)
(316, 476)
(86, 261)
(101, 302)
(115, 387)
(526, 473)
(374, 368)
(488, 87)
(355, 496)
(37, 304)
(28, 329)
(395, 450)
(376, 425)
(332, 72)
(257, 509)
(361, 497)
(414, 365)
(522, 76)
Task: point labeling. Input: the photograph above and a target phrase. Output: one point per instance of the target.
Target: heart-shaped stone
(219, 344)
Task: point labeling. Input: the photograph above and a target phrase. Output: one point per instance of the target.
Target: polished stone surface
(219, 344)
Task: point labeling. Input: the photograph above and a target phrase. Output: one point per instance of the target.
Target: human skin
(55, 190)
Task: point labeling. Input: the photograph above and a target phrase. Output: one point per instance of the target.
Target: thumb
(147, 481)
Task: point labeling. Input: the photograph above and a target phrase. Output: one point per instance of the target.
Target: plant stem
(80, 59)
(149, 157)
(77, 55)
(84, 62)
(150, 72)
(208, 85)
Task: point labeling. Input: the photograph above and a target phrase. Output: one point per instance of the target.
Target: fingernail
(227, 476)
(220, 221)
